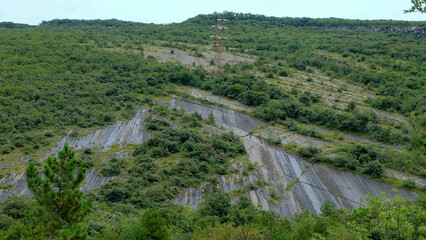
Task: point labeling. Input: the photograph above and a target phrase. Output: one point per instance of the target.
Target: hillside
(309, 115)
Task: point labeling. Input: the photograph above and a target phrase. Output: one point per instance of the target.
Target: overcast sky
(162, 11)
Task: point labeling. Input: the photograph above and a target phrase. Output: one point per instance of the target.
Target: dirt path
(200, 94)
(405, 176)
(191, 59)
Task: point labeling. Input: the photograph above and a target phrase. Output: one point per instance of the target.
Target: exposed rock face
(93, 180)
(19, 183)
(222, 115)
(286, 137)
(121, 133)
(380, 28)
(299, 184)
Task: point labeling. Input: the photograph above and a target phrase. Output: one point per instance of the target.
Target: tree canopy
(57, 190)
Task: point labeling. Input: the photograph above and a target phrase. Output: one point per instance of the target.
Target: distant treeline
(90, 23)
(13, 25)
(302, 22)
(389, 25)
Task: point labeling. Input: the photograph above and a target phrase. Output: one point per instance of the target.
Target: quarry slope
(120, 133)
(298, 184)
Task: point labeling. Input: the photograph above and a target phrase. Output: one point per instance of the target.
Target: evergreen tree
(211, 120)
(153, 225)
(58, 191)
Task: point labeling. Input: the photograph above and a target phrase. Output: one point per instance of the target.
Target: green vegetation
(418, 6)
(85, 74)
(366, 158)
(67, 75)
(61, 205)
(153, 226)
(393, 218)
(172, 159)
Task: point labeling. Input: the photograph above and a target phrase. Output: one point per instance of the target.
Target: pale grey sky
(167, 11)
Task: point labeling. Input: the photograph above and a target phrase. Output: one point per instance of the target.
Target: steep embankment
(297, 184)
(286, 184)
(120, 133)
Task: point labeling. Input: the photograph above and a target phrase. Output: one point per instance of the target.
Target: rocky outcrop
(19, 187)
(298, 184)
(15, 184)
(121, 133)
(381, 28)
(222, 115)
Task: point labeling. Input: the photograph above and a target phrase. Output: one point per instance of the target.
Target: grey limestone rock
(298, 184)
(121, 133)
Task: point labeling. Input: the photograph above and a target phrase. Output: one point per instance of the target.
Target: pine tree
(211, 119)
(153, 225)
(58, 191)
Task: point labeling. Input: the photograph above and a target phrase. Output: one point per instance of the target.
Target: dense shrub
(309, 152)
(374, 169)
(410, 184)
(113, 167)
(218, 204)
(199, 154)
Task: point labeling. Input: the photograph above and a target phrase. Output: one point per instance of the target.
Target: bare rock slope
(121, 133)
(297, 183)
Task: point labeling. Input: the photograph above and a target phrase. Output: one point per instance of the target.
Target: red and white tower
(218, 45)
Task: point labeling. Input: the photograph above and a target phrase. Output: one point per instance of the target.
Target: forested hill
(260, 20)
(309, 116)
(383, 54)
(389, 64)
(13, 25)
(270, 22)
(89, 23)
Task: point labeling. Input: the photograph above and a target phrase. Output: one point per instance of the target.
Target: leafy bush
(374, 169)
(217, 204)
(113, 167)
(15, 207)
(409, 183)
(309, 152)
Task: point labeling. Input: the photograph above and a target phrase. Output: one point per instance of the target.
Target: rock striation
(298, 184)
(121, 133)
